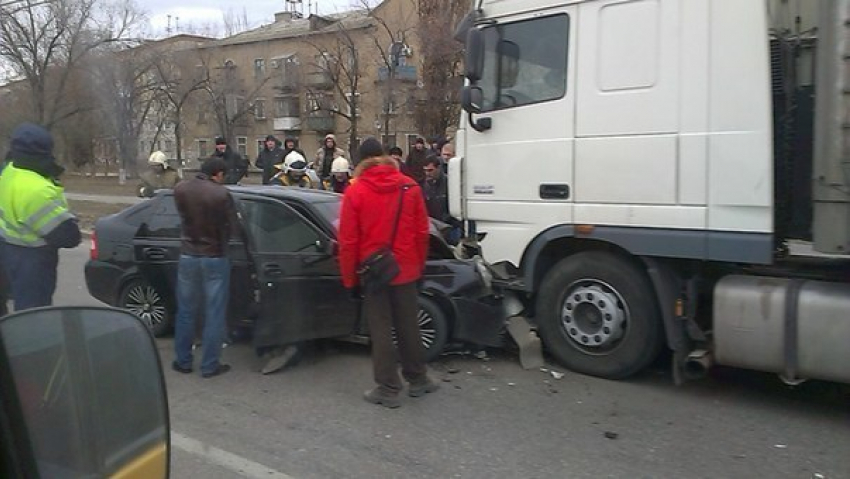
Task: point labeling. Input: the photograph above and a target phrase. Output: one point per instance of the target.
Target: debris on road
(530, 349)
(611, 435)
(557, 374)
(780, 446)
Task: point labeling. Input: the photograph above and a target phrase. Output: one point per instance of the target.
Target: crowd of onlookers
(285, 164)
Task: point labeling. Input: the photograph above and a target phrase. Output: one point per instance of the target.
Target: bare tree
(44, 41)
(389, 41)
(231, 101)
(234, 22)
(440, 63)
(177, 85)
(337, 64)
(127, 86)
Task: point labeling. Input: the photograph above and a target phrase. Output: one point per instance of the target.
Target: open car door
(301, 294)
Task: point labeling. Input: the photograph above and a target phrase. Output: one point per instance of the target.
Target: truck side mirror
(474, 55)
(471, 98)
(83, 395)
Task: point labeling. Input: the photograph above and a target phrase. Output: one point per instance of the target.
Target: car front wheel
(433, 327)
(142, 299)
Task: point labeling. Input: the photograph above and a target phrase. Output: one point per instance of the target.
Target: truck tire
(597, 315)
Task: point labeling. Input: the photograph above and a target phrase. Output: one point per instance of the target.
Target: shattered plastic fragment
(557, 375)
(544, 370)
(611, 435)
(780, 446)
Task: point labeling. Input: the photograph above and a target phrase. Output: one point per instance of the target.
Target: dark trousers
(31, 273)
(396, 307)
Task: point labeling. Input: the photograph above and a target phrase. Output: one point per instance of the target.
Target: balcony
(402, 72)
(287, 123)
(322, 80)
(321, 122)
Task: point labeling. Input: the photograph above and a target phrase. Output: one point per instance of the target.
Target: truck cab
(629, 161)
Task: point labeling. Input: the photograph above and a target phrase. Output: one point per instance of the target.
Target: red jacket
(367, 217)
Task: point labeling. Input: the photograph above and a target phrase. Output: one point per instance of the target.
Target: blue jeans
(207, 279)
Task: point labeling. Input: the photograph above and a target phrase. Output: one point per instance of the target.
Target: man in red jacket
(366, 224)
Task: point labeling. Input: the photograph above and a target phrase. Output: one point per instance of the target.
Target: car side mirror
(84, 394)
(471, 98)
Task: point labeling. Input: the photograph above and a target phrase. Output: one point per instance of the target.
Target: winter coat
(437, 199)
(322, 167)
(156, 179)
(415, 162)
(266, 161)
(207, 216)
(367, 218)
(237, 167)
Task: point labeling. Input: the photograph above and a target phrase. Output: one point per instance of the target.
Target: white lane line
(238, 464)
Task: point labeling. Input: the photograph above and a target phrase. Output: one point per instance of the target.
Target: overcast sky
(204, 12)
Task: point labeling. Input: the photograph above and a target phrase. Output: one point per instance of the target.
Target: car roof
(288, 192)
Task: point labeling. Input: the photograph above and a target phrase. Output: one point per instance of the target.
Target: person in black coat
(271, 155)
(237, 167)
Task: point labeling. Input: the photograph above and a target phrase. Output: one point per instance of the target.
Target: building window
(318, 102)
(142, 146)
(388, 141)
(287, 107)
(259, 68)
(203, 148)
(169, 146)
(261, 143)
(242, 145)
(260, 109)
(202, 114)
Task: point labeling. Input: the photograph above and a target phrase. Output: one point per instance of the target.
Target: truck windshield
(525, 62)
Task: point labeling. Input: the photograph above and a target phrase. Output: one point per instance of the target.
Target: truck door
(519, 172)
(301, 294)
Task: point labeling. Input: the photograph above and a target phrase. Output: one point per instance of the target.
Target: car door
(156, 250)
(301, 294)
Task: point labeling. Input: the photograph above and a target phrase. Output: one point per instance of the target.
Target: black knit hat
(31, 142)
(219, 140)
(271, 138)
(370, 148)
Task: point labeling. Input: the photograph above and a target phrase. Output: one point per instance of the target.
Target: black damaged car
(285, 282)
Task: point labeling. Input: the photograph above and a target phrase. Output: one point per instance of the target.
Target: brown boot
(422, 388)
(382, 397)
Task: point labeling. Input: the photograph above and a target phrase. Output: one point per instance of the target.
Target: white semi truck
(651, 173)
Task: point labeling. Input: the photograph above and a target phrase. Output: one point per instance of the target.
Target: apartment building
(353, 74)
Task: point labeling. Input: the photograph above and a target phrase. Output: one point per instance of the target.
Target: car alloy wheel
(143, 300)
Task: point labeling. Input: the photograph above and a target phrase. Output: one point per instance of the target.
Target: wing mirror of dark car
(84, 395)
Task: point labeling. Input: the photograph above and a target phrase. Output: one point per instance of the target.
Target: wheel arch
(557, 243)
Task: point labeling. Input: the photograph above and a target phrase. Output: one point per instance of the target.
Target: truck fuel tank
(796, 328)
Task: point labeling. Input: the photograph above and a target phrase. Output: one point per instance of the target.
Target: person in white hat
(340, 176)
(158, 176)
(293, 172)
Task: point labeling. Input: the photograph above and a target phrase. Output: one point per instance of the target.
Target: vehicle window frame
(485, 83)
(249, 237)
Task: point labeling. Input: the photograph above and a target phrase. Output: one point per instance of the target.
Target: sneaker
(180, 369)
(416, 390)
(221, 369)
(381, 397)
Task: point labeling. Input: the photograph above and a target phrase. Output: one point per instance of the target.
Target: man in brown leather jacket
(207, 214)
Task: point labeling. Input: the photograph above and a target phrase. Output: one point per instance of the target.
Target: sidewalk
(124, 200)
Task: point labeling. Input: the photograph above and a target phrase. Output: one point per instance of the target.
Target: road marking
(238, 464)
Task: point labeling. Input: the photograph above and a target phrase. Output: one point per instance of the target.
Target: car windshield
(330, 210)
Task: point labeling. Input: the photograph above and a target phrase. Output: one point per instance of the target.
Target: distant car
(285, 283)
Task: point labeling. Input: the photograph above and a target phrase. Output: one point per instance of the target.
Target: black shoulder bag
(379, 269)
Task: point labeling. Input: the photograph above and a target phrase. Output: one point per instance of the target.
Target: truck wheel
(597, 315)
(142, 299)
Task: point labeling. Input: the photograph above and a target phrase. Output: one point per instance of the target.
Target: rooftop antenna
(168, 28)
(176, 25)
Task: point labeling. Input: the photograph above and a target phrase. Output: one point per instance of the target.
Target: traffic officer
(34, 217)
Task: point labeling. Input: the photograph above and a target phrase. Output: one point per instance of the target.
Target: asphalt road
(491, 419)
